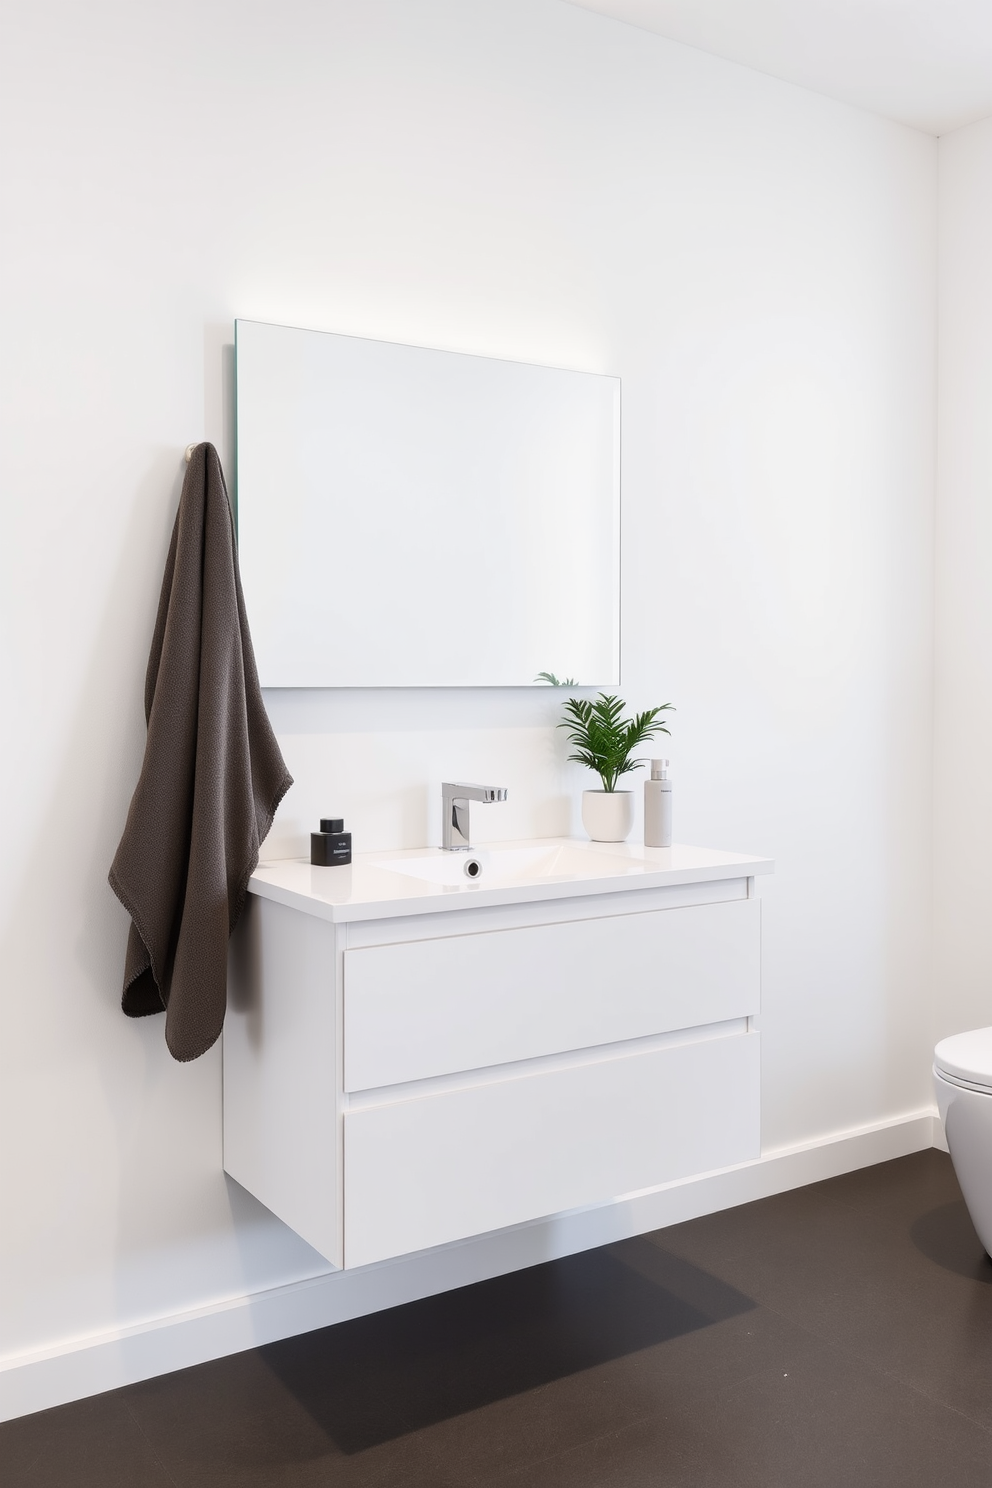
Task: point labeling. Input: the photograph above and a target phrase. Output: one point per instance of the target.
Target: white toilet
(962, 1077)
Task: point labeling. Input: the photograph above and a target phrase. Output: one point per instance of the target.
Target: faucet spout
(455, 798)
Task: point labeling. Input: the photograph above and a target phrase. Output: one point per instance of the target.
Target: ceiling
(926, 63)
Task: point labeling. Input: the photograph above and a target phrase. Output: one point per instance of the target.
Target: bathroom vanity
(413, 1056)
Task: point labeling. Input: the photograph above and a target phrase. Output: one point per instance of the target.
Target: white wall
(963, 702)
(520, 179)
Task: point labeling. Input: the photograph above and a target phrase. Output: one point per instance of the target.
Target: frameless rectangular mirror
(416, 518)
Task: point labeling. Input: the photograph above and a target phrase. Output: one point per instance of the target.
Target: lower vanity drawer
(420, 1009)
(434, 1168)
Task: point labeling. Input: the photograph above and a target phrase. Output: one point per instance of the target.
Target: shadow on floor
(376, 1378)
(947, 1236)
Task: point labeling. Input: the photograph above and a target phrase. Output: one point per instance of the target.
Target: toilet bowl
(962, 1077)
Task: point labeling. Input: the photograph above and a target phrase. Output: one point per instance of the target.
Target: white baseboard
(88, 1366)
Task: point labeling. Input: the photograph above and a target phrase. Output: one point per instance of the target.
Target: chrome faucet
(455, 836)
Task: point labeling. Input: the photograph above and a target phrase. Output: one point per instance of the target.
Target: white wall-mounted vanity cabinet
(409, 1063)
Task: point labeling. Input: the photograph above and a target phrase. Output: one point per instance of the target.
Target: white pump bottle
(658, 806)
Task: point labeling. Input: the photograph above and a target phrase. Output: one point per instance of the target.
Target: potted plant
(605, 741)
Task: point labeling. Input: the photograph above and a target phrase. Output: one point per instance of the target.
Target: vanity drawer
(435, 1168)
(435, 1007)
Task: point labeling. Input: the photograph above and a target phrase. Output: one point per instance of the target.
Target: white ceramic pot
(608, 815)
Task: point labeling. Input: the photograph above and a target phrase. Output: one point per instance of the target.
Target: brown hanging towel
(210, 782)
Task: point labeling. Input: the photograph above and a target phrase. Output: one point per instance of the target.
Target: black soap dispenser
(331, 846)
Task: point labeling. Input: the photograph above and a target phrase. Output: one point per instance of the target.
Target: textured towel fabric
(210, 782)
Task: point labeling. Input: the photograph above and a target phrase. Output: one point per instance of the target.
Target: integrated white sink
(427, 880)
(511, 865)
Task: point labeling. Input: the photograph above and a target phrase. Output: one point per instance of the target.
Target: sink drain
(473, 868)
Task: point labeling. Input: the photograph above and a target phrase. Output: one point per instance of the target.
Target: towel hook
(189, 452)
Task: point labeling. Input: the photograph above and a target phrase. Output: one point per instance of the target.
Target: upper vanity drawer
(435, 1007)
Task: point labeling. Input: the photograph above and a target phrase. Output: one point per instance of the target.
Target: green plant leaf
(603, 740)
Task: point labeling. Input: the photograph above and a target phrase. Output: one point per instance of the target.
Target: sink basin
(510, 865)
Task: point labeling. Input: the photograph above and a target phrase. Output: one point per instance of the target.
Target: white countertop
(368, 890)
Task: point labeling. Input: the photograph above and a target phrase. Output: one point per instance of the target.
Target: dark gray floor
(837, 1335)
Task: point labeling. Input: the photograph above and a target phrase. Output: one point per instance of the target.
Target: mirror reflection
(419, 518)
